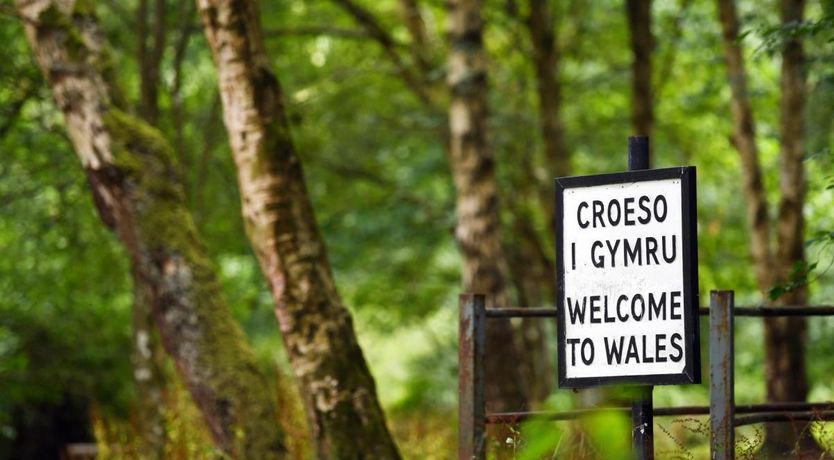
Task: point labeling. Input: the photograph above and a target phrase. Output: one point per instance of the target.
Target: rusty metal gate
(724, 414)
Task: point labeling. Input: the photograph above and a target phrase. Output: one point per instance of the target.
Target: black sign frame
(692, 369)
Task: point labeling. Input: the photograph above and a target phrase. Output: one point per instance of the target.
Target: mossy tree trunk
(149, 376)
(345, 416)
(137, 190)
(473, 169)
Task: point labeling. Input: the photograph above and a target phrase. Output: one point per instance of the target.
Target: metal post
(472, 408)
(638, 153)
(642, 421)
(642, 417)
(721, 381)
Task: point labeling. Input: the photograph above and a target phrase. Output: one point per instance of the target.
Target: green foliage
(65, 295)
(375, 165)
(797, 278)
(603, 434)
(775, 37)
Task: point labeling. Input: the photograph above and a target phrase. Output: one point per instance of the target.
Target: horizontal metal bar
(518, 417)
(520, 312)
(766, 408)
(783, 417)
(783, 311)
(783, 407)
(547, 312)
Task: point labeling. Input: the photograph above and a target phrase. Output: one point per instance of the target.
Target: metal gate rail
(722, 409)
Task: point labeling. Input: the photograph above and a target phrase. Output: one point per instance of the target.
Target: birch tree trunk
(137, 191)
(473, 169)
(640, 27)
(784, 337)
(340, 394)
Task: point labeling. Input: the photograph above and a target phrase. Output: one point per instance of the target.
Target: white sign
(628, 278)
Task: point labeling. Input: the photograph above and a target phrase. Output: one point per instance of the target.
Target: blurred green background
(377, 172)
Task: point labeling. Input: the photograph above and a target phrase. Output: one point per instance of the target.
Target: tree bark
(531, 265)
(413, 19)
(344, 413)
(532, 276)
(186, 29)
(148, 374)
(541, 26)
(546, 60)
(784, 337)
(744, 140)
(136, 188)
(639, 25)
(150, 58)
(473, 169)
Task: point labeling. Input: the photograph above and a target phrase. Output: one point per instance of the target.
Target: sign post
(628, 282)
(642, 407)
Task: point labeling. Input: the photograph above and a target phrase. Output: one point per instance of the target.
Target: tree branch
(316, 30)
(374, 29)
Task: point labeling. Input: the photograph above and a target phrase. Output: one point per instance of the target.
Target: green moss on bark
(165, 226)
(145, 157)
(137, 175)
(53, 20)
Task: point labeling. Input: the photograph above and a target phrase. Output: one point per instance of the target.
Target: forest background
(366, 101)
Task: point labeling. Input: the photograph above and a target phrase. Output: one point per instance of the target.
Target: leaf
(776, 292)
(610, 434)
(542, 439)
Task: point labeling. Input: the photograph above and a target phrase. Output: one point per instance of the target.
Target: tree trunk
(532, 267)
(186, 30)
(413, 19)
(744, 140)
(473, 169)
(148, 374)
(513, 396)
(532, 276)
(546, 59)
(137, 192)
(784, 337)
(150, 58)
(344, 413)
(639, 25)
